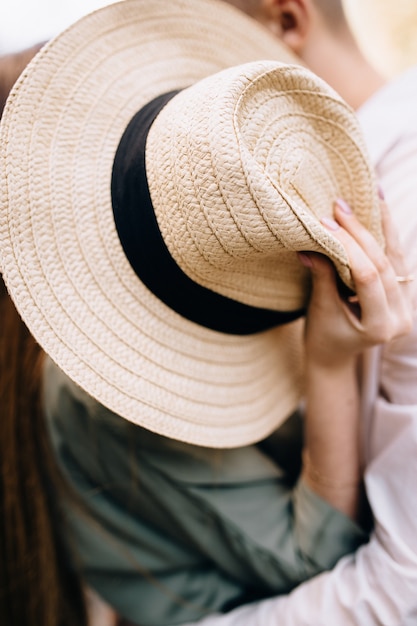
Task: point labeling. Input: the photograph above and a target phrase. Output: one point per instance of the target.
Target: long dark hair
(38, 586)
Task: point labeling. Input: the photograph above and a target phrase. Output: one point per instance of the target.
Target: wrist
(316, 366)
(318, 477)
(341, 489)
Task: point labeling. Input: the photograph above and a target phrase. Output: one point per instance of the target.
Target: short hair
(332, 12)
(250, 7)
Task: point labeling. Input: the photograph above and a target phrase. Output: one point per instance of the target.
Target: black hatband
(148, 254)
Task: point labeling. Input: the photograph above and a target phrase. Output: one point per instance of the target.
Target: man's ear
(289, 20)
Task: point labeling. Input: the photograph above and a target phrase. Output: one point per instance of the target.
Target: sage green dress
(168, 532)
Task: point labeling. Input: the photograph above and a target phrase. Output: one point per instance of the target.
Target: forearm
(376, 586)
(331, 458)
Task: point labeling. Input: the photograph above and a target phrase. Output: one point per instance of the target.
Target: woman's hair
(38, 587)
(11, 66)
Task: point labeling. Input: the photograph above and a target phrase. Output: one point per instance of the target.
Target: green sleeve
(168, 532)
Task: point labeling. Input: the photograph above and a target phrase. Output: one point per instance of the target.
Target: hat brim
(60, 254)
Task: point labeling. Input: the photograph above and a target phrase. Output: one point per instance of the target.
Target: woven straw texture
(60, 254)
(256, 157)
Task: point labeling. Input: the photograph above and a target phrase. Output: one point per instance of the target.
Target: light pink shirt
(377, 586)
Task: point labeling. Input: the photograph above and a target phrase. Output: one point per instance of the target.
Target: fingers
(324, 286)
(392, 240)
(385, 307)
(376, 269)
(335, 330)
(346, 218)
(395, 254)
(390, 259)
(368, 284)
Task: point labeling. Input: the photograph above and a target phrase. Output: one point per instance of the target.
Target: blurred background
(27, 22)
(386, 30)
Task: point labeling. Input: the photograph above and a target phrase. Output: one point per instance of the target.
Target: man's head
(288, 15)
(187, 216)
(319, 33)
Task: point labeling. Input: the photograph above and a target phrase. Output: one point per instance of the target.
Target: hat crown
(61, 254)
(241, 166)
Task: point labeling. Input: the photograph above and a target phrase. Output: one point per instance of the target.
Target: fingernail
(381, 193)
(331, 224)
(343, 205)
(305, 259)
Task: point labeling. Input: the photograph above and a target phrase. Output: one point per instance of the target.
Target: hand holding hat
(238, 167)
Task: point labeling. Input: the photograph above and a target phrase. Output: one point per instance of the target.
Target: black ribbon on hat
(148, 254)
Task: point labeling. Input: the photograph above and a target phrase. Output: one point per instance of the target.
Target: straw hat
(166, 288)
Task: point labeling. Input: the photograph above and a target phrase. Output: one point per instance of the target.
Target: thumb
(324, 286)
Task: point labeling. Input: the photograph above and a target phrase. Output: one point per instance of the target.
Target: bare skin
(342, 488)
(303, 26)
(336, 334)
(318, 33)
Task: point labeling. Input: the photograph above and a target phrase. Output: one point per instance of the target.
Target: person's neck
(343, 66)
